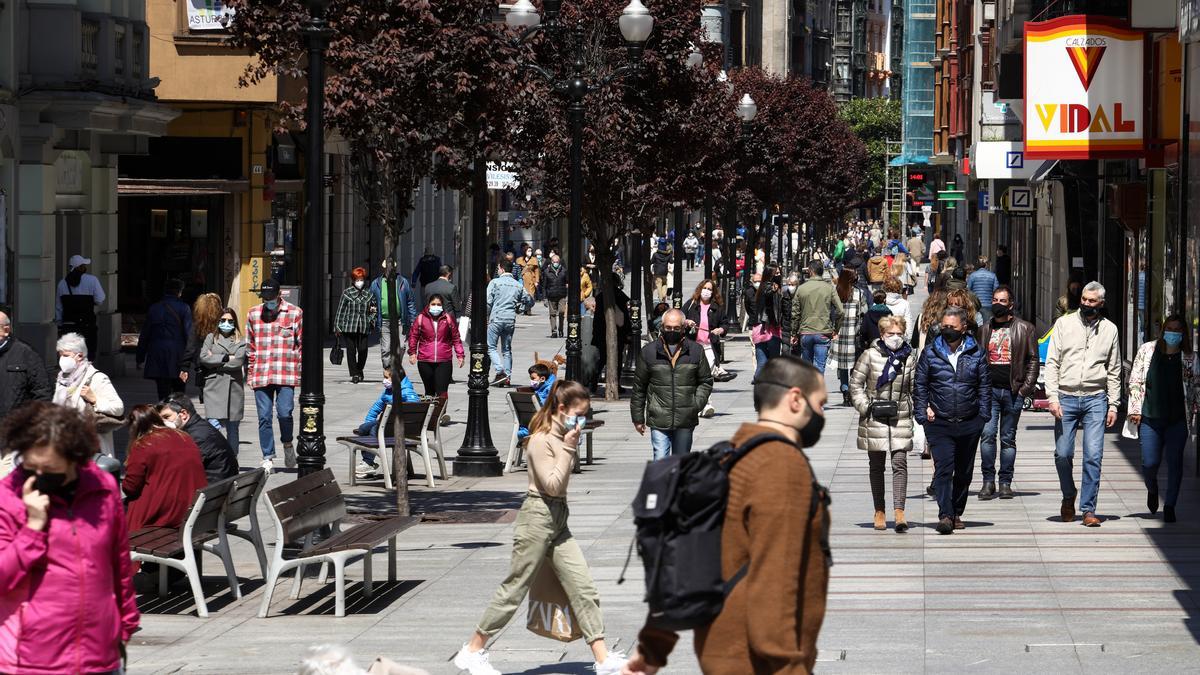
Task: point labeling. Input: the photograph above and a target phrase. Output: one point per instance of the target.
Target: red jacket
(432, 339)
(162, 475)
(66, 593)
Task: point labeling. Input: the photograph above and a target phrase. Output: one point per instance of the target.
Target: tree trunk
(399, 453)
(612, 346)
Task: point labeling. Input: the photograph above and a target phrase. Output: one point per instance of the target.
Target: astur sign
(1083, 89)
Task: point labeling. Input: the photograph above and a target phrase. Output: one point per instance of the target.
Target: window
(139, 60)
(88, 46)
(119, 49)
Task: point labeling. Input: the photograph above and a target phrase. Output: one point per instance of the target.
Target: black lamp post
(678, 217)
(478, 455)
(311, 442)
(636, 256)
(635, 23)
(747, 110)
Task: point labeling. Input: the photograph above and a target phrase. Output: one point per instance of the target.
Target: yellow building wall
(199, 75)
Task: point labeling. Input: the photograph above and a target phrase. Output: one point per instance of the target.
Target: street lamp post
(311, 441)
(747, 110)
(478, 455)
(678, 217)
(636, 256)
(635, 23)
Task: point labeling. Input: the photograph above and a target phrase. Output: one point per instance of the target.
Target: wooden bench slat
(367, 535)
(310, 520)
(291, 507)
(301, 485)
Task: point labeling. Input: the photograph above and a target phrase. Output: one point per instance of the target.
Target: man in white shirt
(77, 297)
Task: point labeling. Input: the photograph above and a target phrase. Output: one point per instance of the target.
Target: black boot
(1006, 491)
(1152, 502)
(1168, 514)
(988, 491)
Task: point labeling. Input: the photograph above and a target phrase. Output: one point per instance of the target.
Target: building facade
(76, 93)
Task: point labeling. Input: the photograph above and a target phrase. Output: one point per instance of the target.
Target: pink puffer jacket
(66, 593)
(434, 340)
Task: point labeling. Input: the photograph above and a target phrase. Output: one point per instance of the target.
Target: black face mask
(811, 433)
(1089, 312)
(50, 483)
(672, 338)
(1001, 311)
(950, 334)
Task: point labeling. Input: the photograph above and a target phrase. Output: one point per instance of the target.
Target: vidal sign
(1083, 89)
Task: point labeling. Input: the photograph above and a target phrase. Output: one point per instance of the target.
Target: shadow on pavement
(321, 601)
(178, 600)
(570, 668)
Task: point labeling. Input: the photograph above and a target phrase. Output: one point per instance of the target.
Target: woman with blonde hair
(541, 535)
(882, 393)
(206, 310)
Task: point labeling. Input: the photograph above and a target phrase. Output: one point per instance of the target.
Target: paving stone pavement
(1017, 591)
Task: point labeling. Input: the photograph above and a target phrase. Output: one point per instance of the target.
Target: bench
(524, 404)
(210, 516)
(309, 504)
(421, 420)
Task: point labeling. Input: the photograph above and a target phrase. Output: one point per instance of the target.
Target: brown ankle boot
(901, 523)
(880, 520)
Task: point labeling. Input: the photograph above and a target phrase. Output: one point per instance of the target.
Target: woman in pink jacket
(67, 603)
(432, 343)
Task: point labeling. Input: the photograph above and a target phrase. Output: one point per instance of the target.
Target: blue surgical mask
(225, 327)
(1173, 338)
(271, 305)
(574, 422)
(435, 310)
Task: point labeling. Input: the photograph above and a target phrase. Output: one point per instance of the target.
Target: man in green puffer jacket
(671, 386)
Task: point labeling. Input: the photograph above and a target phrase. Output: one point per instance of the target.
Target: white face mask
(67, 364)
(171, 424)
(359, 284)
(705, 294)
(435, 310)
(893, 342)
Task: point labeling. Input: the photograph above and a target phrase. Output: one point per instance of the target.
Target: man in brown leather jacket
(775, 526)
(1012, 350)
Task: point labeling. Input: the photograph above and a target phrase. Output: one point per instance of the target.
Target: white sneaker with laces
(364, 470)
(268, 466)
(475, 663)
(611, 665)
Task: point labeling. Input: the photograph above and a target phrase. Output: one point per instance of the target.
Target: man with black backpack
(763, 612)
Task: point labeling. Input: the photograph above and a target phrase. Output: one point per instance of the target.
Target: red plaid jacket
(273, 348)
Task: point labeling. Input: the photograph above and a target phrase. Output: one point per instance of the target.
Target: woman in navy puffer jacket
(953, 400)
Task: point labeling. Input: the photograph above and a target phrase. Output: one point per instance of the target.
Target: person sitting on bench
(368, 466)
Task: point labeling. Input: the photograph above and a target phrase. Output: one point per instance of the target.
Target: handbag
(337, 353)
(103, 422)
(1130, 430)
(884, 410)
(550, 613)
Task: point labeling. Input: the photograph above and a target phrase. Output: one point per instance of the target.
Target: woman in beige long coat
(884, 372)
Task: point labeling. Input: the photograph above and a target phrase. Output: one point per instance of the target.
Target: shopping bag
(464, 327)
(336, 354)
(1130, 430)
(918, 437)
(550, 613)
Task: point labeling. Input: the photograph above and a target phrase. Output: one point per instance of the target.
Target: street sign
(1019, 199)
(985, 202)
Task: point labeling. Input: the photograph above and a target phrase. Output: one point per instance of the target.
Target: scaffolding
(894, 188)
(920, 23)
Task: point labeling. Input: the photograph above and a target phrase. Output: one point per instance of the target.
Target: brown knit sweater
(771, 619)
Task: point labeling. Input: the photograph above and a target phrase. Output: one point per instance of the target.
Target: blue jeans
(282, 399)
(230, 429)
(1088, 412)
(1159, 438)
(499, 341)
(764, 351)
(1006, 413)
(667, 442)
(815, 349)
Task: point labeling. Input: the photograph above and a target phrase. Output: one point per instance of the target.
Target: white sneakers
(612, 665)
(476, 663)
(708, 411)
(289, 455)
(364, 470)
(268, 466)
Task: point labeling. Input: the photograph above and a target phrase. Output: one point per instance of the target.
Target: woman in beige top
(541, 535)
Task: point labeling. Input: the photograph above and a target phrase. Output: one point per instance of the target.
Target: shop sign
(1003, 160)
(1084, 96)
(208, 14)
(500, 176)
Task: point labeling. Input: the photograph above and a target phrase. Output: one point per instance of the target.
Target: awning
(166, 187)
(1043, 171)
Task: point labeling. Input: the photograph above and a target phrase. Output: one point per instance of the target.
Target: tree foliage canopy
(875, 121)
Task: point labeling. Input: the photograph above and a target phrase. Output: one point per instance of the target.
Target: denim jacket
(505, 297)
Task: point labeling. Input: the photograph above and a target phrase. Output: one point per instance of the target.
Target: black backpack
(678, 512)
